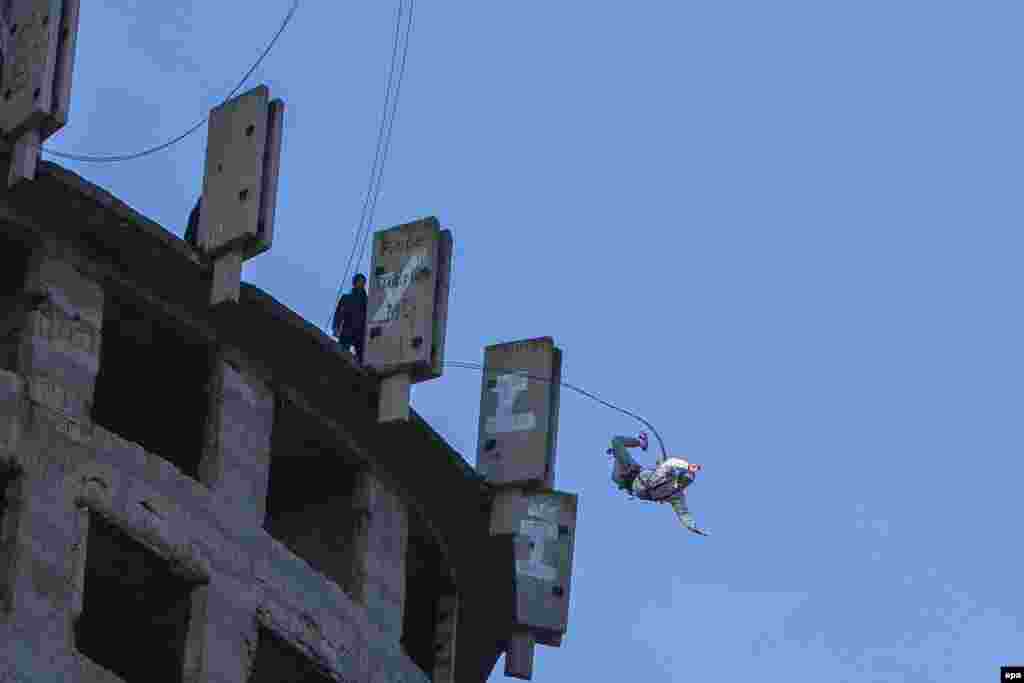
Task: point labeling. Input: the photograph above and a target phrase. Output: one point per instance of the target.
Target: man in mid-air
(666, 483)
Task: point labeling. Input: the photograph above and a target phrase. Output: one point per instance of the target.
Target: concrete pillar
(519, 655)
(60, 341)
(380, 544)
(445, 639)
(13, 312)
(43, 536)
(222, 637)
(236, 461)
(42, 547)
(395, 392)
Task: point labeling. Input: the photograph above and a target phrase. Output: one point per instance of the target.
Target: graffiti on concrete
(509, 388)
(395, 286)
(539, 528)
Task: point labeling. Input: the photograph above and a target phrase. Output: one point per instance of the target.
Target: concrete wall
(381, 541)
(359, 539)
(236, 461)
(209, 533)
(248, 576)
(323, 533)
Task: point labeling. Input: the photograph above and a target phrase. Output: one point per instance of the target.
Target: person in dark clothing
(350, 317)
(191, 232)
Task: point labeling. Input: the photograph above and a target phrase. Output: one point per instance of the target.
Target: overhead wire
(387, 140)
(469, 365)
(380, 155)
(111, 158)
(376, 156)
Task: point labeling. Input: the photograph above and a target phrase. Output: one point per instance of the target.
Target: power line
(383, 146)
(387, 140)
(152, 150)
(377, 152)
(468, 365)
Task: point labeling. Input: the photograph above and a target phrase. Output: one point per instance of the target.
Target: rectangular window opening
(144, 640)
(278, 660)
(152, 384)
(310, 497)
(425, 583)
(9, 476)
(14, 259)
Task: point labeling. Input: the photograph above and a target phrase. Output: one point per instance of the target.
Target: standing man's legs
(358, 343)
(345, 341)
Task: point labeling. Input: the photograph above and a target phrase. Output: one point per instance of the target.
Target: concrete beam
(227, 278)
(445, 639)
(380, 553)
(519, 656)
(395, 394)
(236, 462)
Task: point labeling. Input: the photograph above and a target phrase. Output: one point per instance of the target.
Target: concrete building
(203, 494)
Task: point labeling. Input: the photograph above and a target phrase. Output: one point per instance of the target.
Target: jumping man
(666, 483)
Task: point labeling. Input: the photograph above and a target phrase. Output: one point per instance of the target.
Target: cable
(128, 157)
(377, 153)
(383, 147)
(467, 365)
(387, 140)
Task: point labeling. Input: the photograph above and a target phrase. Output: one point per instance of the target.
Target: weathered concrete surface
(236, 462)
(380, 553)
(132, 254)
(394, 397)
(61, 338)
(247, 576)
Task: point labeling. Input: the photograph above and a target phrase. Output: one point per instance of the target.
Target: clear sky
(787, 233)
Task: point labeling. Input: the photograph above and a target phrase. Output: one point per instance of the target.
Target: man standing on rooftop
(350, 317)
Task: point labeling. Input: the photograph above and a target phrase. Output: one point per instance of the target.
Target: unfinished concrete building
(204, 494)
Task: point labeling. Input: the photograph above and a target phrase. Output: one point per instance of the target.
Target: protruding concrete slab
(519, 412)
(544, 526)
(242, 167)
(407, 307)
(35, 87)
(36, 39)
(544, 559)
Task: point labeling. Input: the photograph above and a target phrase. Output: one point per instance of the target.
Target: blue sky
(786, 233)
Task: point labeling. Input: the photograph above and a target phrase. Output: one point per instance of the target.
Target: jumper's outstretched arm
(683, 513)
